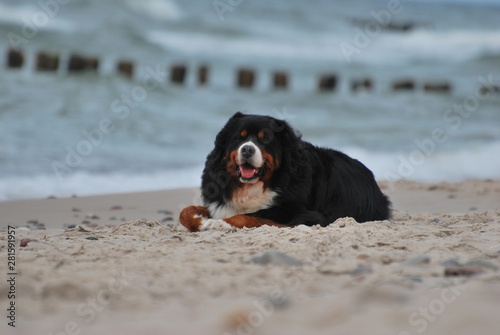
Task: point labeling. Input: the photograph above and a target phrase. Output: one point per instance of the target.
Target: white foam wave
(420, 45)
(35, 18)
(82, 184)
(470, 163)
(454, 46)
(160, 10)
(245, 48)
(481, 162)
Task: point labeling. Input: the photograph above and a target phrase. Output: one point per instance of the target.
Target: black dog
(262, 172)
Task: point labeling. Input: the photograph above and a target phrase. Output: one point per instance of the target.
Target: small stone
(415, 279)
(436, 220)
(69, 225)
(386, 259)
(33, 222)
(275, 257)
(76, 210)
(85, 229)
(169, 218)
(473, 209)
(24, 242)
(113, 218)
(455, 271)
(417, 260)
(116, 208)
(85, 222)
(92, 238)
(165, 211)
(361, 270)
(279, 300)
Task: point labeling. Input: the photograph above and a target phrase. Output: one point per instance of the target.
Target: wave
(34, 17)
(418, 46)
(84, 183)
(428, 164)
(160, 10)
(471, 163)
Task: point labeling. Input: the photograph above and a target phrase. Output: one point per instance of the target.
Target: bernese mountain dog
(262, 173)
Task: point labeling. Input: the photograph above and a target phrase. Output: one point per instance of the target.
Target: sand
(126, 266)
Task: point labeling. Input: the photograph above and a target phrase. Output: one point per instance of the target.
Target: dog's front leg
(192, 217)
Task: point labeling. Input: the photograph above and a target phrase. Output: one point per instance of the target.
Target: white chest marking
(247, 199)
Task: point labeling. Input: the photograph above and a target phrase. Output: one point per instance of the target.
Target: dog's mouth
(249, 173)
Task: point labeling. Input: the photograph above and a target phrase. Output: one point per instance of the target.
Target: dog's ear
(214, 172)
(221, 138)
(237, 115)
(220, 143)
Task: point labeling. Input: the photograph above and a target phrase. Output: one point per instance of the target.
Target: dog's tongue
(247, 172)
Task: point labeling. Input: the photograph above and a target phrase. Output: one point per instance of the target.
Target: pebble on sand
(469, 270)
(417, 260)
(275, 257)
(24, 242)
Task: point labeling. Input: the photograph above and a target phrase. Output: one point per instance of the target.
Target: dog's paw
(192, 217)
(209, 224)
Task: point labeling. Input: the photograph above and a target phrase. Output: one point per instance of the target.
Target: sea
(415, 93)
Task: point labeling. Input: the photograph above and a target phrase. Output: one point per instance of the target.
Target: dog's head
(251, 147)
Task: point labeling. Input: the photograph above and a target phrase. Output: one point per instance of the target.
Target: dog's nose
(247, 151)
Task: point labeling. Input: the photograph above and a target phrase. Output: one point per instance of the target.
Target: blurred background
(412, 88)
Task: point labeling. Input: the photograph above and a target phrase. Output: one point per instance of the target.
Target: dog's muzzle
(250, 162)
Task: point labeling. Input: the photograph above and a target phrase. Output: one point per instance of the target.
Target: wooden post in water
(361, 85)
(47, 62)
(280, 80)
(245, 78)
(15, 59)
(203, 75)
(125, 68)
(327, 83)
(79, 63)
(178, 74)
(403, 85)
(442, 87)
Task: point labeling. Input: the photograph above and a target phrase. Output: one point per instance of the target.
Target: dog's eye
(243, 133)
(265, 136)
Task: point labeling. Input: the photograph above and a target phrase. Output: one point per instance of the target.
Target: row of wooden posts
(245, 77)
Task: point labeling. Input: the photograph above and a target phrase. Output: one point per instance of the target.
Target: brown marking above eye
(261, 134)
(244, 133)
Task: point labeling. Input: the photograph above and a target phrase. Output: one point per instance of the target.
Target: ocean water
(90, 133)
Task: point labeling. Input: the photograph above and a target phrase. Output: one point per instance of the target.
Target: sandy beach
(122, 264)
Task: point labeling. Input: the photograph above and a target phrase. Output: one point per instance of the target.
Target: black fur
(314, 185)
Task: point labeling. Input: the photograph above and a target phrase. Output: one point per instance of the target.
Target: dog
(261, 172)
